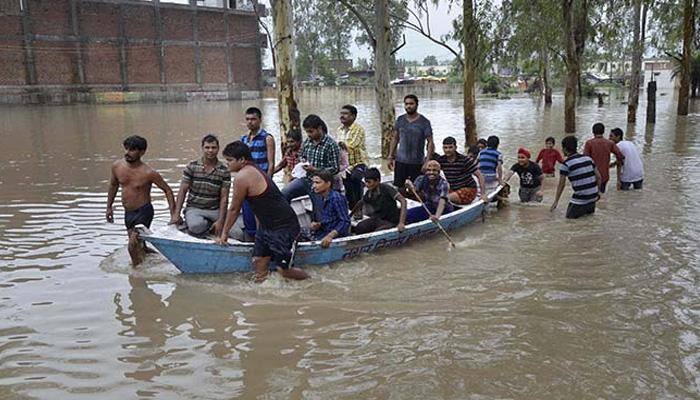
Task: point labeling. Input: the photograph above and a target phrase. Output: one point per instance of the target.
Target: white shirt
(633, 169)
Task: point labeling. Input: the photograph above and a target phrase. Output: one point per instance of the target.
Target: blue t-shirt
(258, 149)
(412, 137)
(489, 159)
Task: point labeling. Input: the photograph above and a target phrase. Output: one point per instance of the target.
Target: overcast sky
(417, 47)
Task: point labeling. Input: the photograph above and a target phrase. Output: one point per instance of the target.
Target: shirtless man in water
(278, 226)
(135, 178)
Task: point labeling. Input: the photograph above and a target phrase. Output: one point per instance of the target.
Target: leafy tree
(430, 60)
(322, 34)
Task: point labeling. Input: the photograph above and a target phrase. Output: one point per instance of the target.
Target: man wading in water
(278, 226)
(136, 178)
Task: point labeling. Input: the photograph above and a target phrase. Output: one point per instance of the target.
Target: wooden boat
(201, 256)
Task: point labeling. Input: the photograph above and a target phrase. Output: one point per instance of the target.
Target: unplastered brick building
(67, 51)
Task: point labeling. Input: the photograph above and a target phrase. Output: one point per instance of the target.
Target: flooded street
(528, 306)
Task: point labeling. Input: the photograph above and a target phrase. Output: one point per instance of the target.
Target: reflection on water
(528, 305)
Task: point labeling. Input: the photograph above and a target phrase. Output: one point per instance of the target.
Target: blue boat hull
(199, 257)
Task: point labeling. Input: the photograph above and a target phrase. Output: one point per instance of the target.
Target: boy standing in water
(530, 176)
(599, 149)
(549, 157)
(136, 177)
(584, 178)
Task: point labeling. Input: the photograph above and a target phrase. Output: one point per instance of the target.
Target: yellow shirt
(354, 139)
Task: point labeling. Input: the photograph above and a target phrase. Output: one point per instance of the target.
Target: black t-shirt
(382, 203)
(529, 175)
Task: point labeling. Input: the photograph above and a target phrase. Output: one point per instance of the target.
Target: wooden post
(651, 101)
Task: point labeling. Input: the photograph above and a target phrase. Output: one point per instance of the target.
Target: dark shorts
(372, 224)
(575, 211)
(406, 171)
(603, 186)
(276, 244)
(142, 215)
(529, 194)
(628, 185)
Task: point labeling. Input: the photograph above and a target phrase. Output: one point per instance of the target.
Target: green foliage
(321, 34)
(430, 60)
(490, 83)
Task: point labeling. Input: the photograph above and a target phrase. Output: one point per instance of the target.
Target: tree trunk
(382, 84)
(633, 101)
(575, 25)
(544, 76)
(284, 66)
(469, 41)
(688, 28)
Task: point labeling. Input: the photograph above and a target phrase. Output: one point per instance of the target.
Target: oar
(444, 232)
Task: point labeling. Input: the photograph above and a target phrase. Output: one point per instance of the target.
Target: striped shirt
(581, 172)
(459, 172)
(489, 160)
(354, 139)
(258, 148)
(324, 155)
(205, 187)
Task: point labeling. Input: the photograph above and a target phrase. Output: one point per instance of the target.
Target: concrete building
(661, 69)
(67, 51)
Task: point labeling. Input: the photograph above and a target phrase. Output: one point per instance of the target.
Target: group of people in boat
(333, 171)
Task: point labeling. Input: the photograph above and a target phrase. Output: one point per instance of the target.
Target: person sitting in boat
(433, 190)
(379, 204)
(335, 219)
(205, 183)
(458, 170)
(278, 226)
(292, 148)
(321, 154)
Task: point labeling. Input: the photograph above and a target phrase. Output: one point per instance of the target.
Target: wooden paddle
(444, 232)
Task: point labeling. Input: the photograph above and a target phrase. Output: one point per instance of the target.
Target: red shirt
(292, 158)
(549, 157)
(599, 149)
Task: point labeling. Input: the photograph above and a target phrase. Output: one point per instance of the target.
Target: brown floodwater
(529, 305)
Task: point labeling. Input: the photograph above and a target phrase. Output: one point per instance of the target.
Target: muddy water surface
(529, 305)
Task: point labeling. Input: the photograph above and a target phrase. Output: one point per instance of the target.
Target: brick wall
(142, 64)
(101, 64)
(79, 43)
(12, 71)
(55, 63)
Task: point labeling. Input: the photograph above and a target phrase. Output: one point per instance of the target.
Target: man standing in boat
(353, 135)
(408, 143)
(278, 226)
(136, 178)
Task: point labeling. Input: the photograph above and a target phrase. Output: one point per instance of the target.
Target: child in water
(549, 157)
